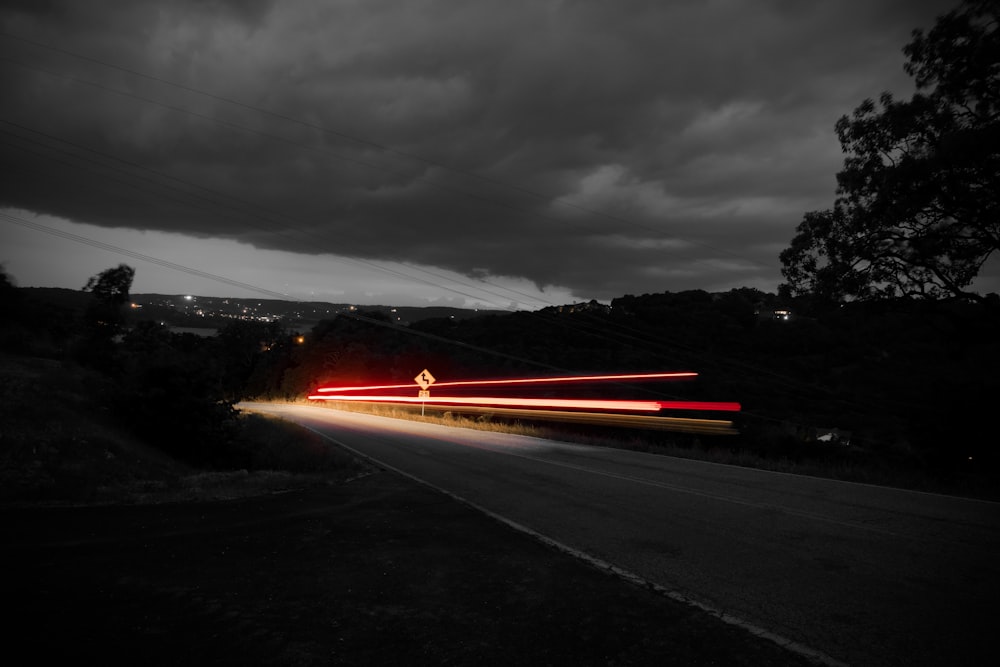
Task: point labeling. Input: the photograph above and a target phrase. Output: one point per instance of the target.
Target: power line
(252, 210)
(603, 332)
(603, 329)
(789, 382)
(253, 288)
(355, 161)
(146, 258)
(321, 150)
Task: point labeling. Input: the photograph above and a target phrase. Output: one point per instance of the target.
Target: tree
(111, 291)
(917, 212)
(112, 285)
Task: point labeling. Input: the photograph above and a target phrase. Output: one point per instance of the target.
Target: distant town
(209, 313)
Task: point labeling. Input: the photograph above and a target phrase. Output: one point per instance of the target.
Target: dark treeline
(911, 381)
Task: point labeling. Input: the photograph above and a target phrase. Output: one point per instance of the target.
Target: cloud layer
(605, 148)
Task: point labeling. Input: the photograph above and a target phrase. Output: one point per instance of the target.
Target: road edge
(790, 645)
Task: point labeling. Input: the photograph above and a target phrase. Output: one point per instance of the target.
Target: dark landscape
(151, 522)
(635, 201)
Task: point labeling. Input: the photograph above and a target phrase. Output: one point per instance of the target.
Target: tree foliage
(918, 206)
(111, 291)
(112, 285)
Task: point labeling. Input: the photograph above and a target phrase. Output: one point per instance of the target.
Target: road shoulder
(368, 572)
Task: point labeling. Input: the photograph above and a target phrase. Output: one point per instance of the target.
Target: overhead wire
(279, 295)
(239, 127)
(17, 220)
(324, 129)
(295, 143)
(224, 280)
(603, 330)
(253, 210)
(600, 329)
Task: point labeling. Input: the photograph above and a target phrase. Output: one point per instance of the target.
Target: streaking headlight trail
(562, 403)
(619, 412)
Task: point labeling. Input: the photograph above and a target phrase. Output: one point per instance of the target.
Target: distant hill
(301, 315)
(179, 310)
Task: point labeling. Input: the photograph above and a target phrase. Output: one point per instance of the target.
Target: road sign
(425, 379)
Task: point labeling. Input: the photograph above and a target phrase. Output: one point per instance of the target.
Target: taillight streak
(680, 375)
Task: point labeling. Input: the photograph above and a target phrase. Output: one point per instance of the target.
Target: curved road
(849, 573)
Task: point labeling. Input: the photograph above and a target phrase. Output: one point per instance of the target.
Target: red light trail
(722, 406)
(629, 413)
(522, 381)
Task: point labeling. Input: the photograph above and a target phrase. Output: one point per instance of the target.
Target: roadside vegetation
(94, 412)
(60, 443)
(829, 461)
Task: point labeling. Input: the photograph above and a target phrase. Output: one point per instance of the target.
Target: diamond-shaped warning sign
(425, 379)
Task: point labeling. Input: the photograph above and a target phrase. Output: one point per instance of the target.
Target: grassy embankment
(60, 444)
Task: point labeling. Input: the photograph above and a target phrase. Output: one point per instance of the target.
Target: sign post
(424, 380)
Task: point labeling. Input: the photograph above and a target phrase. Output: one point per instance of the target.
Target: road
(852, 573)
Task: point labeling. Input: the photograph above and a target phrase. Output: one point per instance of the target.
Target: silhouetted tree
(918, 206)
(111, 291)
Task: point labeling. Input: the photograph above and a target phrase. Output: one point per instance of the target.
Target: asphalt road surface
(848, 573)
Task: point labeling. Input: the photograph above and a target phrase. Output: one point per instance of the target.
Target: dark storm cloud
(607, 147)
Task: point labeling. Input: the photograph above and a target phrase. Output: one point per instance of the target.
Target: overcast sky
(495, 153)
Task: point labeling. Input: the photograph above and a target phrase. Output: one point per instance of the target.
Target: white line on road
(790, 645)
